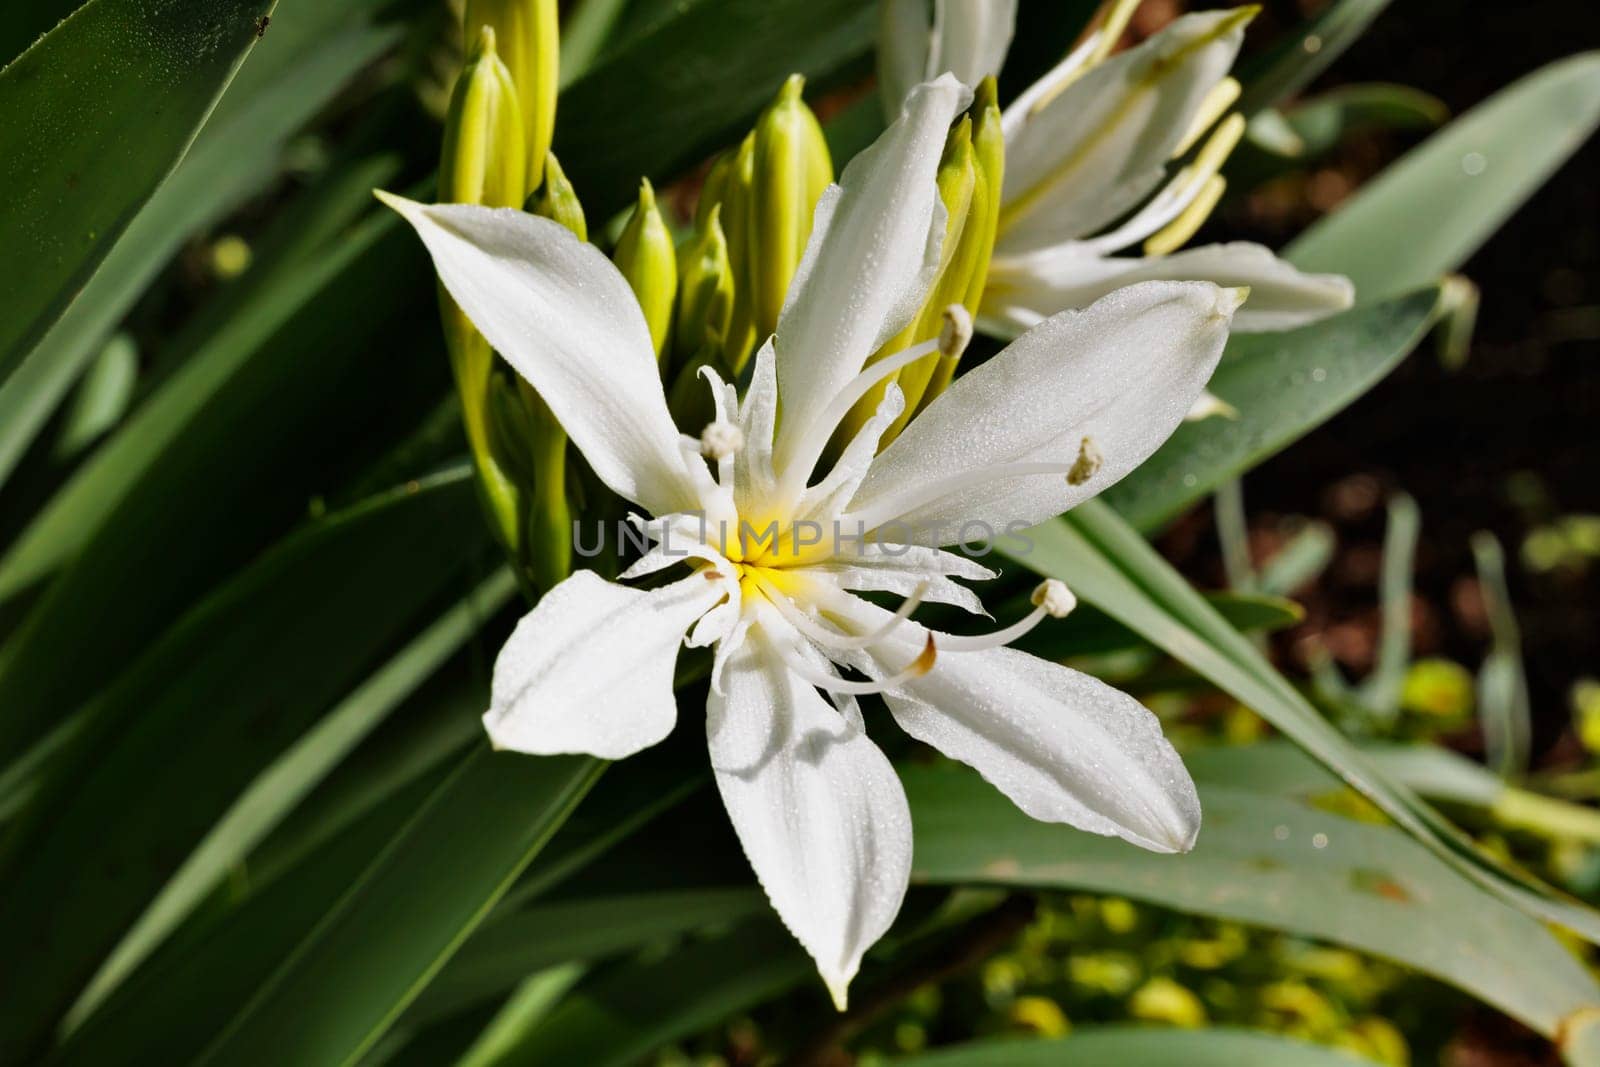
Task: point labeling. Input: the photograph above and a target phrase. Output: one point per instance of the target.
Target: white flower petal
(974, 36)
(565, 319)
(1121, 373)
(873, 252)
(967, 38)
(906, 48)
(1026, 288)
(817, 807)
(873, 567)
(1064, 746)
(590, 668)
(1101, 145)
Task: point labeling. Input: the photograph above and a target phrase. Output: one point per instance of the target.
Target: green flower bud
(977, 238)
(791, 169)
(483, 162)
(558, 201)
(647, 258)
(957, 178)
(484, 158)
(966, 206)
(529, 35)
(736, 194)
(705, 289)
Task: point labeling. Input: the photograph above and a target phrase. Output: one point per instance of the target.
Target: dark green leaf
(185, 730)
(632, 1010)
(509, 949)
(291, 391)
(315, 46)
(96, 115)
(282, 786)
(348, 981)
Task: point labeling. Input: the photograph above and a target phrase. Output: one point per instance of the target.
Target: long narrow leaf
(96, 115)
(1277, 863)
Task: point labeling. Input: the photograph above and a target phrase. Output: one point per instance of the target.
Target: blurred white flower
(1089, 204)
(818, 808)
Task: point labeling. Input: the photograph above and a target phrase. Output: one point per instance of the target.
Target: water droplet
(1319, 840)
(1473, 164)
(1319, 375)
(1312, 44)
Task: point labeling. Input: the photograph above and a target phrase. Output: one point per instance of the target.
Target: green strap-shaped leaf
(1140, 1046)
(314, 48)
(626, 1013)
(281, 787)
(171, 745)
(342, 987)
(1271, 862)
(1425, 215)
(688, 83)
(92, 118)
(180, 999)
(1111, 566)
(220, 459)
(1283, 386)
(523, 943)
(1296, 59)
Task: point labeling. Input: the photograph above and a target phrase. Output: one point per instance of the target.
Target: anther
(1087, 464)
(1055, 598)
(721, 440)
(956, 332)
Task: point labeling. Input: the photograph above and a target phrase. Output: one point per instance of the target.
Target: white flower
(1087, 149)
(817, 806)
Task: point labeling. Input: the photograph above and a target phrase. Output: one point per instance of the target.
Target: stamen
(917, 668)
(721, 440)
(1207, 184)
(1181, 229)
(814, 437)
(1055, 598)
(1222, 96)
(1088, 464)
(956, 332)
(1112, 29)
(833, 640)
(1051, 599)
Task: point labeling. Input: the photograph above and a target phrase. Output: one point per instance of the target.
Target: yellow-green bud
(792, 167)
(738, 217)
(715, 187)
(705, 289)
(989, 142)
(483, 158)
(978, 237)
(529, 35)
(957, 177)
(558, 201)
(647, 258)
